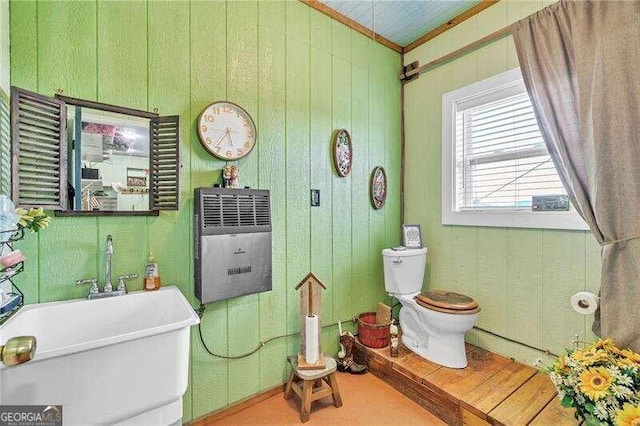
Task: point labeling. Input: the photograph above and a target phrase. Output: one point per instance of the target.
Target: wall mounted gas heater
(232, 235)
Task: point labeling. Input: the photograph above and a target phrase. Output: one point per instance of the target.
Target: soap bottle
(151, 276)
(394, 340)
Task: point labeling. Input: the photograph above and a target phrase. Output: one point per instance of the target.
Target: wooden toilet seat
(448, 302)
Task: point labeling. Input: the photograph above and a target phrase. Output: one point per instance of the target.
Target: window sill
(517, 219)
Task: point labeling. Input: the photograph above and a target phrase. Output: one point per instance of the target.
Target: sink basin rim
(189, 320)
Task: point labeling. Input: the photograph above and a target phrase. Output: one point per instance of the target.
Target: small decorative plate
(378, 189)
(342, 152)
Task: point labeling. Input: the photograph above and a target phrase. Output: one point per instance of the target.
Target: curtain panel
(580, 61)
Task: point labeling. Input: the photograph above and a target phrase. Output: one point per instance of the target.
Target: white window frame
(491, 89)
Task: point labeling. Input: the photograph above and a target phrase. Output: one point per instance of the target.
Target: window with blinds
(495, 162)
(501, 159)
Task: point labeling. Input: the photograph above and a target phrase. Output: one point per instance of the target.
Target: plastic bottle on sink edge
(151, 275)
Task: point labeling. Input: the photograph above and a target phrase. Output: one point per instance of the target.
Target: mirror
(80, 157)
(109, 160)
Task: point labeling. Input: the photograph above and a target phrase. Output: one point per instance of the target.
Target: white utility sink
(119, 360)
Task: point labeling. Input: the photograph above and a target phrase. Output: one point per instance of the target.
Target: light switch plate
(315, 197)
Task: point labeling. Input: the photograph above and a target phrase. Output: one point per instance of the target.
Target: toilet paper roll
(584, 303)
(311, 339)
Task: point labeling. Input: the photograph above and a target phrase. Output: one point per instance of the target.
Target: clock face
(226, 130)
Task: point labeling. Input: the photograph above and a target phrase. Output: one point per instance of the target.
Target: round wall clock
(226, 131)
(378, 190)
(342, 152)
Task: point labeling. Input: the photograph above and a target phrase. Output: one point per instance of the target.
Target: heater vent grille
(229, 210)
(263, 217)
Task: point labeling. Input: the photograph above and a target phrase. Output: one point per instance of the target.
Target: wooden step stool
(311, 388)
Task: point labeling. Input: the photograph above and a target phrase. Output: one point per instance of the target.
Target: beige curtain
(581, 65)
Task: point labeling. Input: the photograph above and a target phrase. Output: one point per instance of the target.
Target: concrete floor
(366, 399)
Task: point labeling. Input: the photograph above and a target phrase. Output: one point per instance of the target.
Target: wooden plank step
(555, 414)
(416, 367)
(457, 382)
(525, 403)
(470, 419)
(485, 397)
(434, 400)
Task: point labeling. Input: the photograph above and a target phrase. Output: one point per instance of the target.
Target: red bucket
(371, 334)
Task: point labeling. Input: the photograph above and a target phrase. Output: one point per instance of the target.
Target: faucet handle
(94, 284)
(121, 284)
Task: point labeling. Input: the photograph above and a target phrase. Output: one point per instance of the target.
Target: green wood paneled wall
(5, 151)
(522, 278)
(4, 46)
(300, 75)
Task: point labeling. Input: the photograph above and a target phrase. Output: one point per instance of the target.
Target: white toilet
(434, 323)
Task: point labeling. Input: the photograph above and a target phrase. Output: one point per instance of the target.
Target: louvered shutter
(502, 161)
(165, 163)
(39, 150)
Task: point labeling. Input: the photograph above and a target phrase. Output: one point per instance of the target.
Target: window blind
(501, 159)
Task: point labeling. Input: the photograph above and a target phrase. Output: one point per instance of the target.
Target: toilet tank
(404, 270)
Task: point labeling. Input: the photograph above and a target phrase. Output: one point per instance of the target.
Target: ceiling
(401, 21)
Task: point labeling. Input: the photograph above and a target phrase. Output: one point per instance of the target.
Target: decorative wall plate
(342, 152)
(378, 190)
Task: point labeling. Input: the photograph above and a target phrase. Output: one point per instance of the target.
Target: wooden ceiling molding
(332, 13)
(450, 24)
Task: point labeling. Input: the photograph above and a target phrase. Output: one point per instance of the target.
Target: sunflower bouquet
(601, 382)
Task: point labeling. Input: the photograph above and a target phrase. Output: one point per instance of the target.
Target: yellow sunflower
(603, 343)
(626, 362)
(628, 415)
(629, 354)
(615, 351)
(595, 383)
(589, 357)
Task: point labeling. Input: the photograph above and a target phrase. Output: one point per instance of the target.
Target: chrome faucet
(107, 291)
(108, 287)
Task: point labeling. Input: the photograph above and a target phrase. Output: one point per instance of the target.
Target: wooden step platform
(491, 390)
